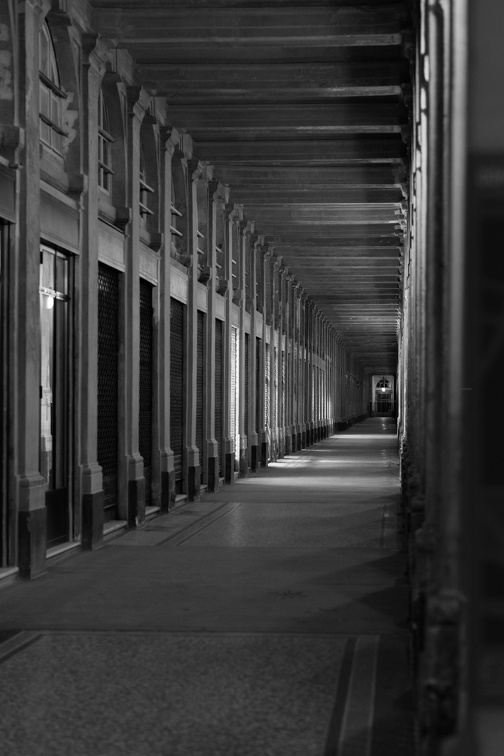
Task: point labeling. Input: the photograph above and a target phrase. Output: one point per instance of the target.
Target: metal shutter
(234, 384)
(219, 338)
(177, 385)
(246, 385)
(200, 384)
(259, 384)
(145, 394)
(267, 391)
(108, 382)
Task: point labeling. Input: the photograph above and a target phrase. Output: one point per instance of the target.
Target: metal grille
(145, 395)
(218, 388)
(282, 392)
(274, 392)
(267, 377)
(177, 383)
(200, 382)
(234, 383)
(246, 386)
(108, 380)
(259, 385)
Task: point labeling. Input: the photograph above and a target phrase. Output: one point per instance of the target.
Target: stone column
(275, 343)
(265, 437)
(282, 357)
(293, 364)
(137, 101)
(191, 456)
(245, 229)
(94, 58)
(286, 384)
(169, 140)
(29, 485)
(217, 198)
(256, 392)
(233, 217)
(298, 418)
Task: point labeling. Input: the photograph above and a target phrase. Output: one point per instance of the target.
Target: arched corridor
(270, 617)
(251, 306)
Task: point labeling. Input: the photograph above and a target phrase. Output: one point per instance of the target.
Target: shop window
(52, 96)
(105, 141)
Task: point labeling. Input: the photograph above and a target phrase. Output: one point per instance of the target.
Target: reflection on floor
(268, 618)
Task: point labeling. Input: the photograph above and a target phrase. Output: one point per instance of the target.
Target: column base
(243, 463)
(167, 498)
(229, 467)
(193, 482)
(32, 542)
(254, 457)
(213, 474)
(264, 453)
(92, 520)
(136, 502)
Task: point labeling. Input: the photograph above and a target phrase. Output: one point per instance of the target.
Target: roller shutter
(108, 382)
(259, 387)
(219, 339)
(200, 385)
(146, 385)
(246, 386)
(177, 386)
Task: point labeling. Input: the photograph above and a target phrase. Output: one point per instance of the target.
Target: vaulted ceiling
(302, 107)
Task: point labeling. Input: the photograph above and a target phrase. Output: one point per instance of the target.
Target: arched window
(383, 384)
(51, 94)
(145, 190)
(105, 141)
(177, 212)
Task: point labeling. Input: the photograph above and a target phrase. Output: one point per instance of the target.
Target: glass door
(55, 440)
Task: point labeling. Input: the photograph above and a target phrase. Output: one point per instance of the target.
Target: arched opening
(52, 95)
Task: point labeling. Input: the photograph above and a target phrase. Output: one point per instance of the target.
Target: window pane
(57, 142)
(55, 110)
(44, 101)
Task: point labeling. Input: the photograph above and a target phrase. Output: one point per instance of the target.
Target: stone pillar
(191, 457)
(233, 217)
(275, 345)
(138, 101)
(217, 198)
(265, 437)
(256, 392)
(298, 377)
(245, 230)
(281, 357)
(92, 495)
(169, 140)
(29, 485)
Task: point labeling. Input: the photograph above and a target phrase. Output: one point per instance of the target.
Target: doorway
(55, 391)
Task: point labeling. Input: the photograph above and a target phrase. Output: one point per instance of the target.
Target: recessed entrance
(55, 392)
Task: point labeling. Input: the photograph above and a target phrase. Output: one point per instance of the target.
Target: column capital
(138, 100)
(234, 212)
(95, 52)
(199, 170)
(247, 227)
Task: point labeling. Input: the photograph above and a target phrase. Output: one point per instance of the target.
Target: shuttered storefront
(146, 385)
(246, 385)
(259, 387)
(234, 386)
(177, 387)
(267, 389)
(108, 384)
(219, 339)
(200, 386)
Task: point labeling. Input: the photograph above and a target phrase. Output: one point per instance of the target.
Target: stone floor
(268, 619)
